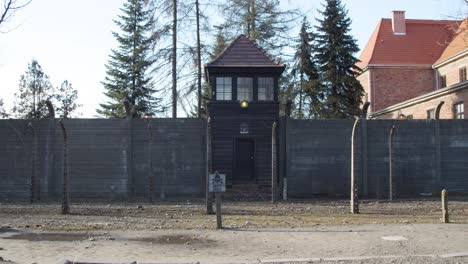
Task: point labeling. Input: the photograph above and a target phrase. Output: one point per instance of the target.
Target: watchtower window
(223, 88)
(265, 89)
(245, 88)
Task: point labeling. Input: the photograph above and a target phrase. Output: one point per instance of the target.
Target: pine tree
(220, 43)
(3, 113)
(66, 100)
(262, 20)
(127, 78)
(342, 92)
(34, 90)
(305, 68)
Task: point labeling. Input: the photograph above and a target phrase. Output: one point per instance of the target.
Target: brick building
(410, 65)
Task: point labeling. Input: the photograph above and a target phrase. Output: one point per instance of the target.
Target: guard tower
(243, 107)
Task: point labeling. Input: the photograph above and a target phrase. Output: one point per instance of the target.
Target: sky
(71, 39)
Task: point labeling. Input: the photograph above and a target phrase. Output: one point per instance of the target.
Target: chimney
(398, 23)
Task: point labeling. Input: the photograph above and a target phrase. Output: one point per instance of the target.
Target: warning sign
(217, 182)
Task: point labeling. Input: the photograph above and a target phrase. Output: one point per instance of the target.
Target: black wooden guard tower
(243, 107)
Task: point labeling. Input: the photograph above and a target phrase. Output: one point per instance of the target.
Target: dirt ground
(314, 231)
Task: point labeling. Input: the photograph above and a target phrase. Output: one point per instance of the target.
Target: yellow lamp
(244, 104)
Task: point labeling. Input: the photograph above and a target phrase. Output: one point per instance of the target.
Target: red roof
(423, 43)
(243, 52)
(458, 44)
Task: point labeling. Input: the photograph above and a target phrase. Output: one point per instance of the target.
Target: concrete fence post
(33, 187)
(274, 176)
(445, 214)
(438, 152)
(354, 184)
(390, 163)
(65, 191)
(150, 163)
(209, 196)
(49, 175)
(363, 162)
(130, 181)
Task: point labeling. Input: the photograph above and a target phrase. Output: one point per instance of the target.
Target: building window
(462, 73)
(430, 114)
(223, 88)
(409, 117)
(265, 89)
(459, 110)
(443, 81)
(245, 88)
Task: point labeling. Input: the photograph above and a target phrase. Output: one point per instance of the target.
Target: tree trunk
(34, 99)
(299, 113)
(252, 19)
(198, 60)
(174, 59)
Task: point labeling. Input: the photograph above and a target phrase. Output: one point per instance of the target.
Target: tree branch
(9, 8)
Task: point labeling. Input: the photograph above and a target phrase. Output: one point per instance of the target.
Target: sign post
(217, 184)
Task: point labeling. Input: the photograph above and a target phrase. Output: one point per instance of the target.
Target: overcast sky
(71, 39)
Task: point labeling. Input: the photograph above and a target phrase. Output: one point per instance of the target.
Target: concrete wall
(108, 158)
(425, 158)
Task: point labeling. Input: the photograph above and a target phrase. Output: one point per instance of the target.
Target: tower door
(244, 169)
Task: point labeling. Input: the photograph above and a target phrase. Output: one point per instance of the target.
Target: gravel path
(289, 232)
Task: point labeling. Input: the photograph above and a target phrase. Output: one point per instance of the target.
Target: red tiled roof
(458, 44)
(424, 42)
(243, 52)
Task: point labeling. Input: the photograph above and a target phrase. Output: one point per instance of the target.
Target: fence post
(150, 163)
(273, 163)
(219, 219)
(65, 195)
(284, 160)
(209, 196)
(49, 175)
(32, 195)
(354, 185)
(128, 112)
(390, 163)
(363, 162)
(438, 152)
(445, 214)
(364, 175)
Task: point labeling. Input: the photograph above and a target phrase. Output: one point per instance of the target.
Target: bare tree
(199, 93)
(9, 8)
(174, 59)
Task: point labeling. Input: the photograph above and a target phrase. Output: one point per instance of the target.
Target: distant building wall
(365, 82)
(418, 107)
(451, 70)
(391, 85)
